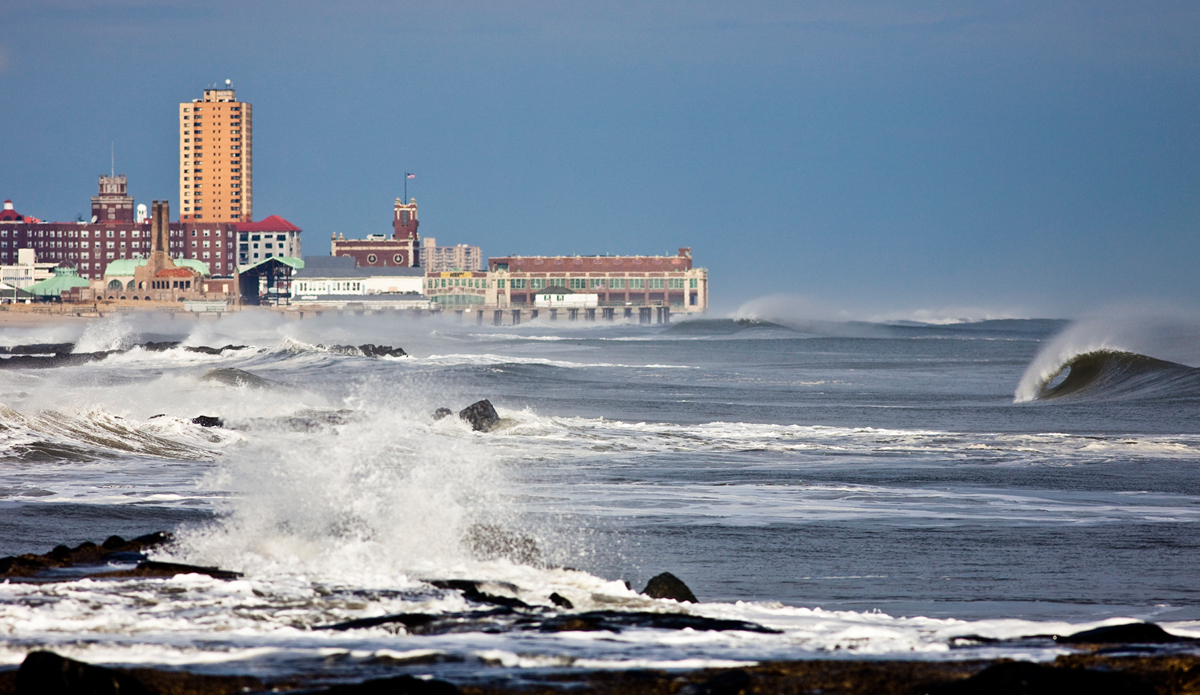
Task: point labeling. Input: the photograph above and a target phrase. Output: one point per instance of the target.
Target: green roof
(124, 266)
(295, 263)
(64, 279)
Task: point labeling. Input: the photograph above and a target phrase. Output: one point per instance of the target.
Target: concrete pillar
(628, 313)
(533, 314)
(479, 317)
(497, 317)
(554, 314)
(591, 314)
(666, 314)
(644, 314)
(608, 314)
(573, 314)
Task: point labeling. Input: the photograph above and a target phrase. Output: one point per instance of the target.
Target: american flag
(410, 176)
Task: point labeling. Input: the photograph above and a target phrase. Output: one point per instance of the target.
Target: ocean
(827, 490)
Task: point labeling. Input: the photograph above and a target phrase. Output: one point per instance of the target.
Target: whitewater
(855, 490)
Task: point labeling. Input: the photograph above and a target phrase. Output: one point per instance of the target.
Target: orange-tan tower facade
(216, 158)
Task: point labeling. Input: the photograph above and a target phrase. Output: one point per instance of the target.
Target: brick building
(90, 246)
(379, 251)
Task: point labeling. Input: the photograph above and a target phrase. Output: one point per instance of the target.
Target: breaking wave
(1123, 354)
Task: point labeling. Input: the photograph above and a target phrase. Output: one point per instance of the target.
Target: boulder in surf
(481, 414)
(667, 585)
(208, 421)
(441, 413)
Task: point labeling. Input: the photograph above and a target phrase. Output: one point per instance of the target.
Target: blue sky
(871, 158)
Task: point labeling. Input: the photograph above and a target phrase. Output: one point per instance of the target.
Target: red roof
(274, 223)
(175, 273)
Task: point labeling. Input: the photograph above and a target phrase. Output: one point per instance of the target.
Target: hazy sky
(885, 158)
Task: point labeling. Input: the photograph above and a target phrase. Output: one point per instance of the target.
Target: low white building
(338, 275)
(26, 271)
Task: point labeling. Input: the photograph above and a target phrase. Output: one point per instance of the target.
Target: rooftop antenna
(112, 153)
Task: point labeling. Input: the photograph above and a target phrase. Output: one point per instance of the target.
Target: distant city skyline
(865, 160)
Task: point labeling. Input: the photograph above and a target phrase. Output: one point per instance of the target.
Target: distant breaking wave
(1121, 355)
(1118, 374)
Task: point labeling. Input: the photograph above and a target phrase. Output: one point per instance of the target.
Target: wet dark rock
(615, 621)
(151, 568)
(208, 421)
(488, 542)
(472, 591)
(732, 682)
(481, 414)
(397, 685)
(1130, 633)
(236, 377)
(561, 601)
(441, 413)
(1021, 678)
(161, 346)
(667, 585)
(205, 350)
(43, 673)
(370, 350)
(38, 349)
(60, 359)
(412, 622)
(114, 548)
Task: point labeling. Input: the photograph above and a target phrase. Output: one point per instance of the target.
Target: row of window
(574, 283)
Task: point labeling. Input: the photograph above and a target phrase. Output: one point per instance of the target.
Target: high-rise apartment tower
(216, 158)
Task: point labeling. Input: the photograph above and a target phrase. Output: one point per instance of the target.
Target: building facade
(617, 281)
(378, 251)
(269, 238)
(90, 246)
(438, 259)
(216, 158)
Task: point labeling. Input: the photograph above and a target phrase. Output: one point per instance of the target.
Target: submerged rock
(236, 377)
(366, 350)
(441, 413)
(370, 350)
(204, 350)
(481, 414)
(667, 585)
(151, 568)
(208, 421)
(47, 672)
(561, 601)
(1129, 633)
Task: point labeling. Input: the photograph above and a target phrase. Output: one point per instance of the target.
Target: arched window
(115, 285)
(129, 286)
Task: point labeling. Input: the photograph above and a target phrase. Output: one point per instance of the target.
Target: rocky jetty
(87, 559)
